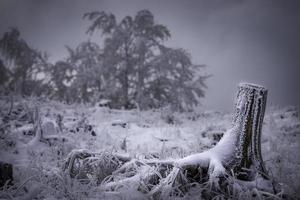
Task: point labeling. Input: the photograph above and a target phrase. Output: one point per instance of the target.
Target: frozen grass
(158, 134)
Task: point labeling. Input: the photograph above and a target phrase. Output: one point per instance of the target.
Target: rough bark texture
(249, 114)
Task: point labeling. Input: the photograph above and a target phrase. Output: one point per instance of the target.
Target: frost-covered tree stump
(240, 148)
(237, 155)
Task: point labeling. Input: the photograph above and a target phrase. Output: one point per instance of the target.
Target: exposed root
(156, 178)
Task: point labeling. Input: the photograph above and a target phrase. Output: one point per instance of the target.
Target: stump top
(252, 86)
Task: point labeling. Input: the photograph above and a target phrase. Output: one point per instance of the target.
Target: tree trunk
(125, 78)
(249, 114)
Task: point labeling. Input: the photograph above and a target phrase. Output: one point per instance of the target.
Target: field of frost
(163, 134)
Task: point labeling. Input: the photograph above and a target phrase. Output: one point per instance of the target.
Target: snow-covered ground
(139, 134)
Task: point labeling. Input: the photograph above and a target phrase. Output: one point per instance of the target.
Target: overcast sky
(240, 41)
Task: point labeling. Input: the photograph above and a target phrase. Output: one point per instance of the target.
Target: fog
(252, 41)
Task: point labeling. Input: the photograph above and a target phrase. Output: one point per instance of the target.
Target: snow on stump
(236, 159)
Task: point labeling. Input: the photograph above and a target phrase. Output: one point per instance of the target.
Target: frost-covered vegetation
(118, 119)
(115, 136)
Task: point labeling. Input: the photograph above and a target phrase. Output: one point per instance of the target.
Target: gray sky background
(240, 41)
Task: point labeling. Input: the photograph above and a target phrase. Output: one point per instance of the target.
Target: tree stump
(6, 173)
(239, 150)
(249, 114)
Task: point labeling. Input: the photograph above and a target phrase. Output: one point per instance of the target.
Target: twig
(28, 179)
(11, 105)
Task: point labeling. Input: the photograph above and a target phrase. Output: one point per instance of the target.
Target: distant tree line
(132, 68)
